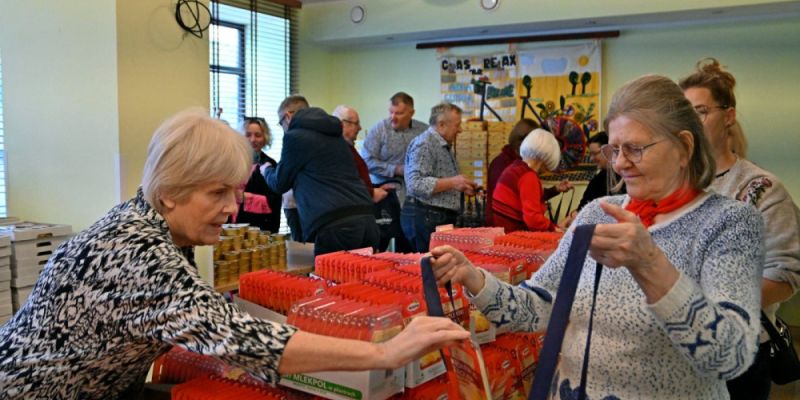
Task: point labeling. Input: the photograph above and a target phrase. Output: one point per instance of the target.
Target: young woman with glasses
(710, 90)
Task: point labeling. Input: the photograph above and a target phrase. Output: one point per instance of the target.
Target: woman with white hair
(518, 200)
(125, 290)
(677, 302)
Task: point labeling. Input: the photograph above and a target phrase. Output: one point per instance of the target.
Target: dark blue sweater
(318, 165)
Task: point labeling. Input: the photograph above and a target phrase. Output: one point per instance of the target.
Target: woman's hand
(450, 265)
(422, 336)
(627, 243)
(564, 186)
(567, 221)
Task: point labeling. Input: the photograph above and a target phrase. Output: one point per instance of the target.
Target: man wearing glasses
(286, 110)
(351, 125)
(335, 209)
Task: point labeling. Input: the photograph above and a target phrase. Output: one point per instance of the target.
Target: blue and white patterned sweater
(701, 333)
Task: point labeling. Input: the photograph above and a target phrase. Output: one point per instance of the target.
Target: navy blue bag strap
(548, 358)
(430, 289)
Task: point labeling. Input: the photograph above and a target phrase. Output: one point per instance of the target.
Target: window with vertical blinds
(252, 62)
(3, 207)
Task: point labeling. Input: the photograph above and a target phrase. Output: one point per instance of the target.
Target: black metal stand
(479, 86)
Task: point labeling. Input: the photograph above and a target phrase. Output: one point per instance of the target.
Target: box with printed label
(344, 385)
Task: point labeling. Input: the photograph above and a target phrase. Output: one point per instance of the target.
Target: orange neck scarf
(648, 209)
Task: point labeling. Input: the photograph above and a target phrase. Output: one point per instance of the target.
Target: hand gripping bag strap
(433, 301)
(548, 359)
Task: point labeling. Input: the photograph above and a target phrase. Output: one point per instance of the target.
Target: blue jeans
(419, 221)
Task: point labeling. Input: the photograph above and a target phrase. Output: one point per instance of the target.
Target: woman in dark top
(259, 205)
(602, 182)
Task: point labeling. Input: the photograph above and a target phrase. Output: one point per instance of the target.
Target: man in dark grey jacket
(336, 210)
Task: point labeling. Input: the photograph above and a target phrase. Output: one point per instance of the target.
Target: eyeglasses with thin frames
(703, 111)
(356, 123)
(633, 153)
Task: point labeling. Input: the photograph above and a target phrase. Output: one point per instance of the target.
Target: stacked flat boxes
(471, 152)
(32, 244)
(479, 144)
(497, 137)
(6, 307)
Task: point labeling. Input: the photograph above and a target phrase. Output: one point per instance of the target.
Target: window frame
(240, 71)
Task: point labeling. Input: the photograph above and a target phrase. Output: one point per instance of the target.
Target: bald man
(387, 206)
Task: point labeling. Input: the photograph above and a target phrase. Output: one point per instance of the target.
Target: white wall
(60, 94)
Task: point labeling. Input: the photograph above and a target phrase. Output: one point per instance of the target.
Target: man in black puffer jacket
(336, 210)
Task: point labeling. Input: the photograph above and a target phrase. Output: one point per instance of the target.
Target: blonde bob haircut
(541, 145)
(191, 149)
(658, 103)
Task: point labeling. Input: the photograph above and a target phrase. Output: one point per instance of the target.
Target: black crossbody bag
(784, 366)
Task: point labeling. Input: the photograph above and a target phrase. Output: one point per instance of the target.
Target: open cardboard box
(364, 385)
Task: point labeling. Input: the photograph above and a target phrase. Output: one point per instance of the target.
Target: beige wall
(60, 95)
(329, 21)
(762, 55)
(85, 85)
(162, 70)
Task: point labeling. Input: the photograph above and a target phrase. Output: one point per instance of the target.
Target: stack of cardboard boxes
(478, 144)
(6, 307)
(31, 245)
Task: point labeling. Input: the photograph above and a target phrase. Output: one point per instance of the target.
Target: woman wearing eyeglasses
(678, 300)
(710, 90)
(258, 205)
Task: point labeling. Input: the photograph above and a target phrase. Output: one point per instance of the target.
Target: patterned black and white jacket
(110, 301)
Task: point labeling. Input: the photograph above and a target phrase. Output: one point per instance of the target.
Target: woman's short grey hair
(440, 111)
(541, 145)
(659, 104)
(191, 149)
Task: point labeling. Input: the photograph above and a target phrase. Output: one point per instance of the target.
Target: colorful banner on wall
(559, 87)
(499, 81)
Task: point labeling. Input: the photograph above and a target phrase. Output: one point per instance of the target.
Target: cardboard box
(36, 247)
(5, 309)
(19, 296)
(425, 369)
(365, 385)
(335, 385)
(22, 231)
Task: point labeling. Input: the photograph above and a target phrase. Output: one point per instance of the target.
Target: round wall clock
(357, 14)
(489, 4)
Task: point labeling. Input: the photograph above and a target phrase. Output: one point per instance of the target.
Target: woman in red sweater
(518, 202)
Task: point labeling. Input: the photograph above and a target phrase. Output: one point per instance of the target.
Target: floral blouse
(110, 301)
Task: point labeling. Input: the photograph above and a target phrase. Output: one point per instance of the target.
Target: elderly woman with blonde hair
(677, 310)
(125, 290)
(518, 200)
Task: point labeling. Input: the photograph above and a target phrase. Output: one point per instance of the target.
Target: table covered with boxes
(371, 297)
